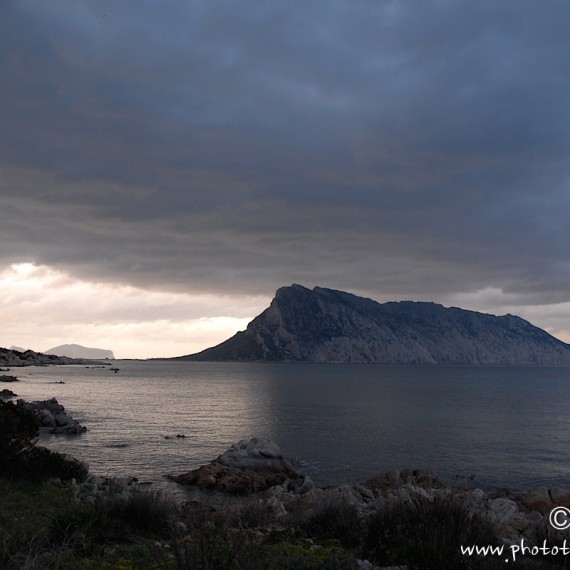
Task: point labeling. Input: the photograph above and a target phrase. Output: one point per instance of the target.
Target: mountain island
(78, 351)
(324, 325)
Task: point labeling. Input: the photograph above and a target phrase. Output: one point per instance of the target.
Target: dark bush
(19, 430)
(141, 512)
(19, 455)
(426, 534)
(41, 464)
(112, 519)
(81, 529)
(336, 520)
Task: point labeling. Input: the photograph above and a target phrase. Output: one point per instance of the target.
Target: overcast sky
(165, 165)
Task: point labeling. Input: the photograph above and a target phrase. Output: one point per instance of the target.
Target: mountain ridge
(327, 325)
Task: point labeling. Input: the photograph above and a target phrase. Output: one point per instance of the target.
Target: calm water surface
(507, 425)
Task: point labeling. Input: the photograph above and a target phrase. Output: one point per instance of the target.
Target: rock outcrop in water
(247, 467)
(8, 378)
(53, 417)
(323, 325)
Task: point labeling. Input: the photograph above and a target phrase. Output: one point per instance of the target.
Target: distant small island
(328, 326)
(78, 351)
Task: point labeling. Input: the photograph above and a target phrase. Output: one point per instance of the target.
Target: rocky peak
(325, 325)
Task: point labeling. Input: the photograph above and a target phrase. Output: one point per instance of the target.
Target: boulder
(560, 497)
(257, 454)
(62, 420)
(539, 500)
(306, 485)
(394, 479)
(385, 481)
(501, 511)
(46, 418)
(232, 481)
(250, 466)
(516, 526)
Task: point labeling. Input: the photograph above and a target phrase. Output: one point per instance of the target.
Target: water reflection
(507, 425)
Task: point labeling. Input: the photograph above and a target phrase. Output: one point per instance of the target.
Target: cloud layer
(42, 308)
(394, 149)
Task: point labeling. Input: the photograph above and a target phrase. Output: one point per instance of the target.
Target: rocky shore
(52, 417)
(257, 507)
(255, 470)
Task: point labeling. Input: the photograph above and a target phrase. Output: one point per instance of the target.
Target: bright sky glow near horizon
(134, 322)
(165, 167)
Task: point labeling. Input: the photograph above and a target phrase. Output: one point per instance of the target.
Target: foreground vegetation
(42, 525)
(45, 523)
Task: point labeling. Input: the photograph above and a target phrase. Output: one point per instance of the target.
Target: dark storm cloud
(411, 148)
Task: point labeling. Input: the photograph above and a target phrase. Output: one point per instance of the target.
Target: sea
(491, 426)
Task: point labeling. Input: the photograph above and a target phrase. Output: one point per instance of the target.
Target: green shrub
(305, 556)
(207, 549)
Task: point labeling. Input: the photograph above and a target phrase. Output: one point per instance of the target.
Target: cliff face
(323, 325)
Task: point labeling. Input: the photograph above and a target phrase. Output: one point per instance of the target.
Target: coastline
(253, 492)
(345, 423)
